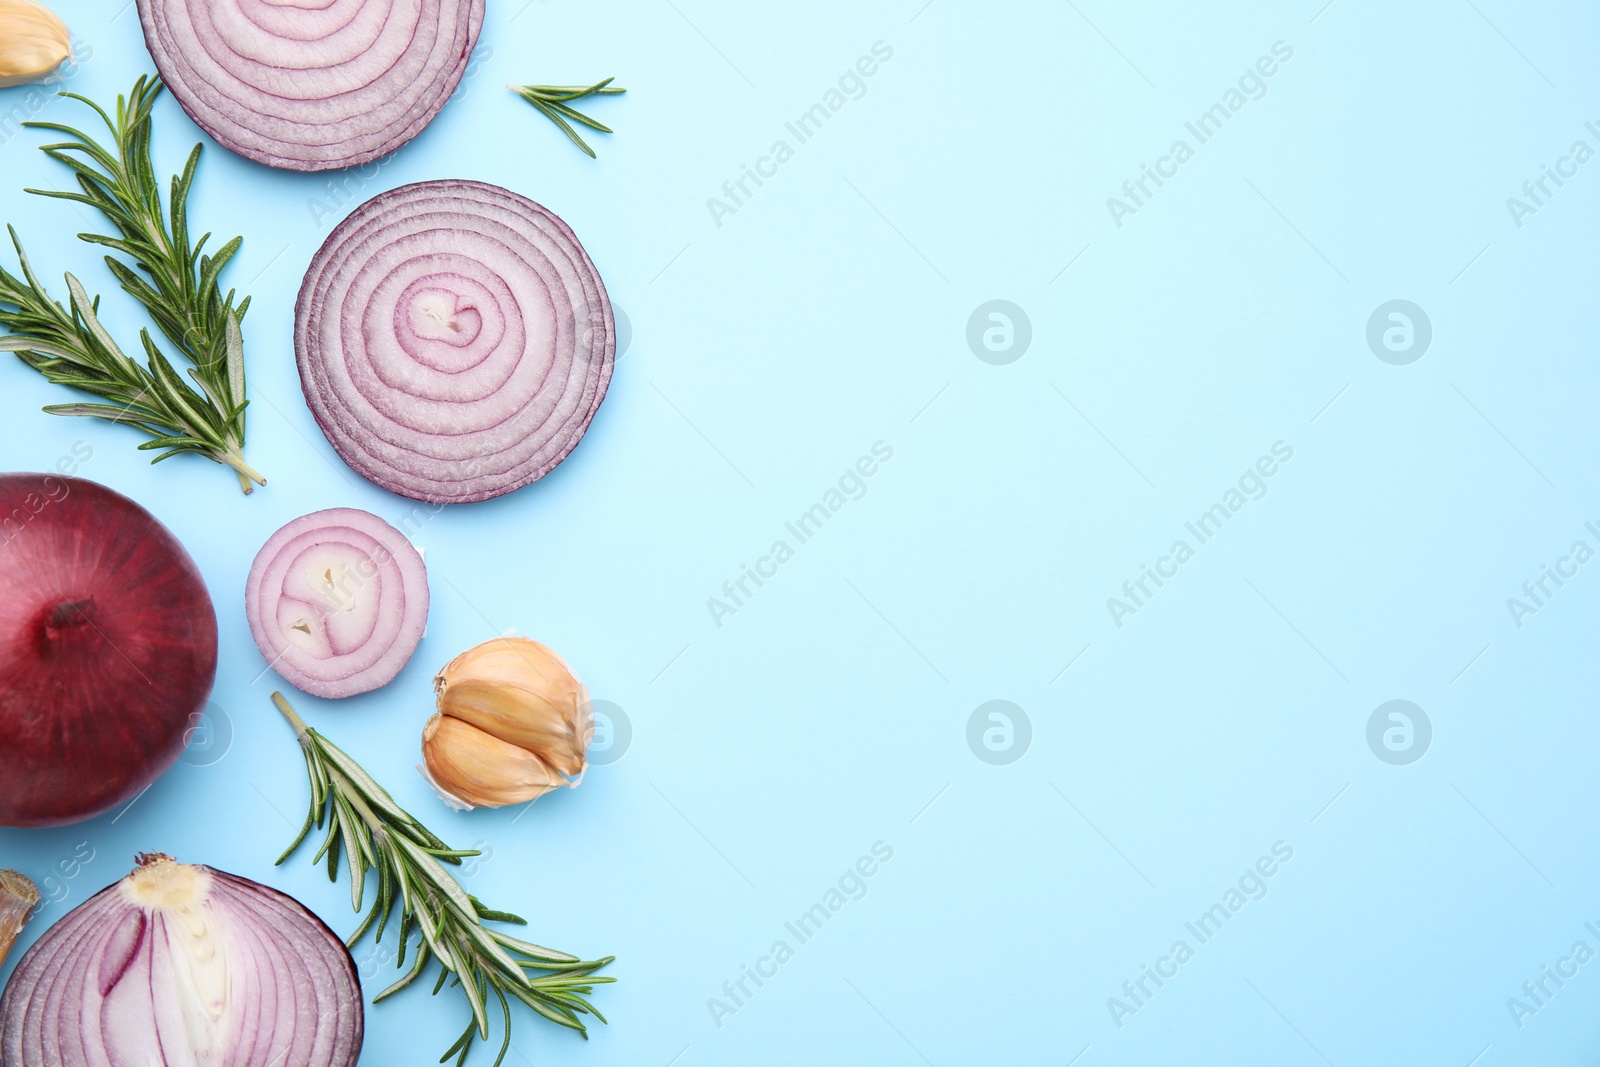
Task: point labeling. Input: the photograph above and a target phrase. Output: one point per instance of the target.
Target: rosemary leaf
(577, 116)
(553, 100)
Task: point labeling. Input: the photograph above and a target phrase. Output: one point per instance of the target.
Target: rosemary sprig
(175, 281)
(555, 102)
(376, 834)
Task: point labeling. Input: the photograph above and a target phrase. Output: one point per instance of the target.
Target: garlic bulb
(513, 723)
(33, 42)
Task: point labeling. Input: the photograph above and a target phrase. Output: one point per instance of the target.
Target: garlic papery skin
(18, 897)
(33, 42)
(513, 723)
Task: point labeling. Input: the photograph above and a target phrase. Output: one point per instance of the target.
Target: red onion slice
(454, 340)
(183, 964)
(311, 85)
(337, 601)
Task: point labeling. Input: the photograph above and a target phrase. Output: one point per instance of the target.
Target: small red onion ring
(337, 601)
(454, 340)
(184, 964)
(315, 84)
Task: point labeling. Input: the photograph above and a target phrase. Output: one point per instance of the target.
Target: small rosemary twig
(555, 102)
(376, 834)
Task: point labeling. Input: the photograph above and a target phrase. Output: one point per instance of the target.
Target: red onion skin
(312, 150)
(108, 644)
(424, 458)
(100, 956)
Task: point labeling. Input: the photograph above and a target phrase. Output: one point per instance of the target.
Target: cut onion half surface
(315, 84)
(337, 601)
(454, 341)
(183, 964)
(108, 649)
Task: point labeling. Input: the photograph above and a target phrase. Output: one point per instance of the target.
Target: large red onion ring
(454, 340)
(337, 601)
(311, 84)
(181, 964)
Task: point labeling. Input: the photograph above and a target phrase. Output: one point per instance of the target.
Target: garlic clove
(548, 724)
(513, 723)
(509, 657)
(524, 693)
(33, 42)
(480, 770)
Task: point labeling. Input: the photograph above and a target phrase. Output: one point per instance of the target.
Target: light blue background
(828, 313)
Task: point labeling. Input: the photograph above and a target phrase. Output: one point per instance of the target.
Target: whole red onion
(108, 645)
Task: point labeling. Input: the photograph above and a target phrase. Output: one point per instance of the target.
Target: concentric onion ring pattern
(312, 85)
(99, 987)
(454, 340)
(337, 601)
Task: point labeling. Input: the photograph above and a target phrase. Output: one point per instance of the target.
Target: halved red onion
(337, 601)
(183, 964)
(312, 85)
(454, 340)
(108, 648)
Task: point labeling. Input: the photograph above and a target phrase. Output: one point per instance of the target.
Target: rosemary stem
(299, 724)
(234, 458)
(346, 788)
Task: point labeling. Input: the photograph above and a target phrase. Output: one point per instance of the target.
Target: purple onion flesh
(184, 965)
(337, 601)
(315, 84)
(454, 340)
